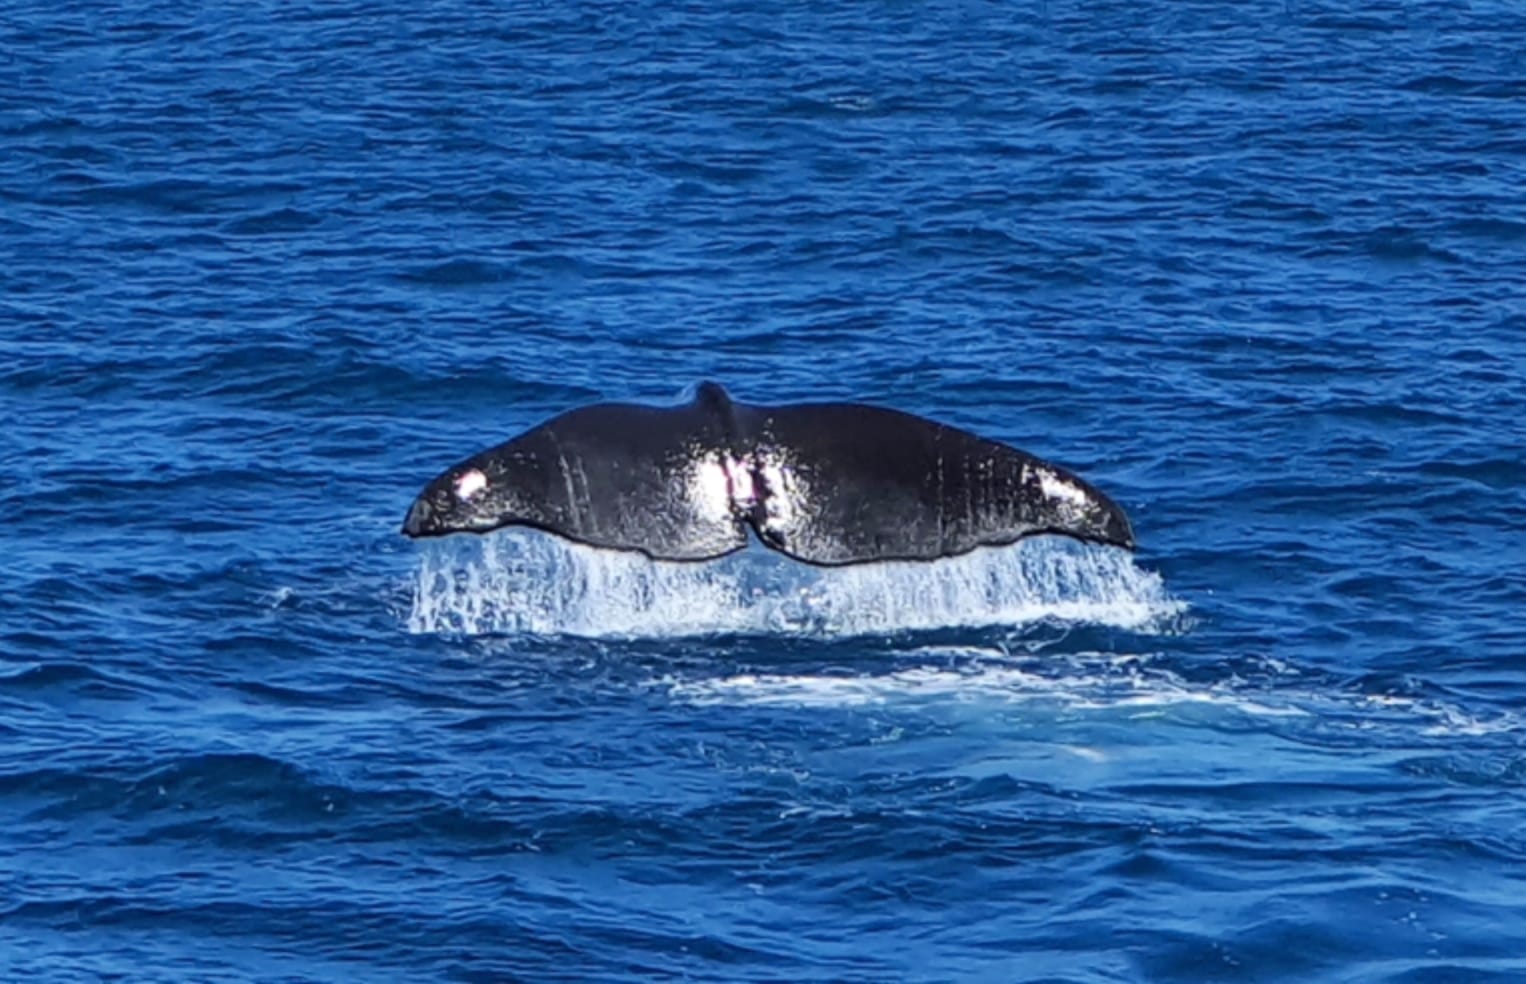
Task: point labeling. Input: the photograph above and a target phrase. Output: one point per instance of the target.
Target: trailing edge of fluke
(825, 483)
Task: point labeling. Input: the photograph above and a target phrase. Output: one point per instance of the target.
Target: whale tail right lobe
(848, 483)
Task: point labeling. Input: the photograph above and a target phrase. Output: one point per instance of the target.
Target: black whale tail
(825, 483)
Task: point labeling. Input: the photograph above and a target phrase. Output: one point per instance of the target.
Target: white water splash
(523, 581)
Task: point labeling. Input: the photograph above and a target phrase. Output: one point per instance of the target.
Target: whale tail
(825, 483)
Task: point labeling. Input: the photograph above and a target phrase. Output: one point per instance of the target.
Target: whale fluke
(825, 483)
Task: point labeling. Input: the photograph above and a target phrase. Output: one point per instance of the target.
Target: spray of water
(522, 581)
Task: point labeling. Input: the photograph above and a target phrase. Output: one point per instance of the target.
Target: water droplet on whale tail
(830, 484)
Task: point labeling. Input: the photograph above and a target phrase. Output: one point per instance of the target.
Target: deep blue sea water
(1256, 269)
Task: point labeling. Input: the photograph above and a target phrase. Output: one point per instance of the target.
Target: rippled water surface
(1255, 269)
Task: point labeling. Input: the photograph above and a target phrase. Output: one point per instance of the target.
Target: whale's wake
(518, 581)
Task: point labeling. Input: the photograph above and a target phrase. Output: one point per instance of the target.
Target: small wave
(456, 273)
(527, 582)
(79, 678)
(273, 222)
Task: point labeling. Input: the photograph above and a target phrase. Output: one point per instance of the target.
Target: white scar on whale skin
(1056, 487)
(470, 483)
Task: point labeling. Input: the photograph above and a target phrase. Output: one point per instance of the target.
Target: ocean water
(1257, 269)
